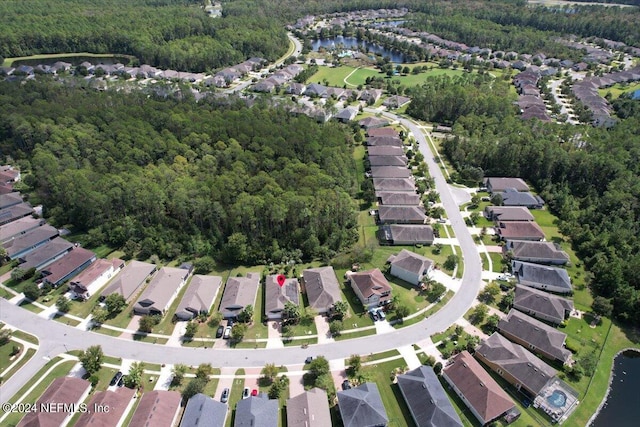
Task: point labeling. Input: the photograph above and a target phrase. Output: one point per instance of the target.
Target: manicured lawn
(408, 295)
(149, 339)
(304, 327)
(499, 263)
(295, 343)
(28, 355)
(5, 352)
(249, 344)
(394, 403)
(30, 306)
(380, 356)
(357, 334)
(333, 75)
(83, 308)
(25, 336)
(66, 320)
(619, 88)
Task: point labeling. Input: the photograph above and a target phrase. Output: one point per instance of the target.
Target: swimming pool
(557, 399)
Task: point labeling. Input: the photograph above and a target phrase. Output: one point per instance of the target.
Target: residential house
(68, 391)
(409, 266)
(372, 122)
(534, 335)
(322, 288)
(370, 96)
(384, 141)
(129, 281)
(507, 213)
(401, 215)
(119, 403)
(9, 174)
(535, 252)
(309, 409)
(347, 114)
(25, 243)
(239, 292)
(371, 287)
(396, 101)
(393, 184)
(395, 161)
(257, 411)
(199, 297)
(162, 291)
(512, 197)
(203, 411)
(15, 212)
(19, 227)
(94, 277)
(542, 305)
(362, 407)
(398, 198)
(390, 172)
(158, 408)
(478, 391)
(264, 86)
(519, 230)
(277, 296)
(551, 279)
(296, 88)
(498, 185)
(315, 90)
(384, 150)
(426, 399)
(521, 368)
(10, 199)
(76, 260)
(405, 235)
(382, 131)
(44, 255)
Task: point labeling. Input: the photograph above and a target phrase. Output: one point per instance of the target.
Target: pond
(622, 407)
(354, 44)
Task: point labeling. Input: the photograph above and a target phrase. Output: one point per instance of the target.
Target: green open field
(618, 89)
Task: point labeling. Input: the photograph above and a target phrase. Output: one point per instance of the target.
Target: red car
(254, 392)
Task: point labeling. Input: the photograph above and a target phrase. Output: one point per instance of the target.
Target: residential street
(56, 337)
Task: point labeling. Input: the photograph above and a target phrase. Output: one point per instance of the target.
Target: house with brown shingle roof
(409, 266)
(376, 161)
(68, 392)
(371, 287)
(322, 288)
(76, 260)
(398, 198)
(372, 122)
(384, 141)
(309, 409)
(118, 402)
(390, 172)
(383, 131)
(479, 392)
(95, 276)
(542, 305)
(401, 215)
(393, 184)
(521, 368)
(199, 296)
(162, 291)
(384, 150)
(535, 252)
(507, 213)
(158, 408)
(534, 335)
(519, 230)
(498, 184)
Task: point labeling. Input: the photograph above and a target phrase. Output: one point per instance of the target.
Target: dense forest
(590, 177)
(175, 34)
(172, 177)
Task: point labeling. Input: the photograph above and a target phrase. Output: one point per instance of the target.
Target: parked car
(115, 378)
(121, 381)
(346, 385)
(220, 331)
(374, 315)
(230, 322)
(246, 392)
(227, 333)
(382, 314)
(225, 396)
(308, 360)
(254, 392)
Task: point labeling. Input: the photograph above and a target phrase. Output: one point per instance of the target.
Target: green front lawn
(356, 334)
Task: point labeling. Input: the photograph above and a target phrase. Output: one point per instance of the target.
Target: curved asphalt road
(56, 337)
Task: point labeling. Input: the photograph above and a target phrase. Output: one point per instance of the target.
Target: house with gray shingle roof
(542, 305)
(362, 407)
(382, 131)
(375, 161)
(384, 150)
(372, 122)
(257, 411)
(162, 291)
(14, 212)
(394, 184)
(396, 234)
(547, 278)
(199, 296)
(426, 399)
(390, 172)
(315, 89)
(507, 213)
(309, 409)
(521, 368)
(535, 252)
(535, 336)
(499, 184)
(322, 288)
(384, 141)
(277, 296)
(130, 279)
(239, 292)
(46, 254)
(409, 266)
(19, 227)
(512, 197)
(203, 411)
(401, 215)
(25, 243)
(10, 199)
(398, 198)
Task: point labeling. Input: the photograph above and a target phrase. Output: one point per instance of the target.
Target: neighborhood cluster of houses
(586, 91)
(529, 101)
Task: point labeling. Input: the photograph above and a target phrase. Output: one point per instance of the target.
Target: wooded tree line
(175, 34)
(590, 177)
(173, 178)
(444, 99)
